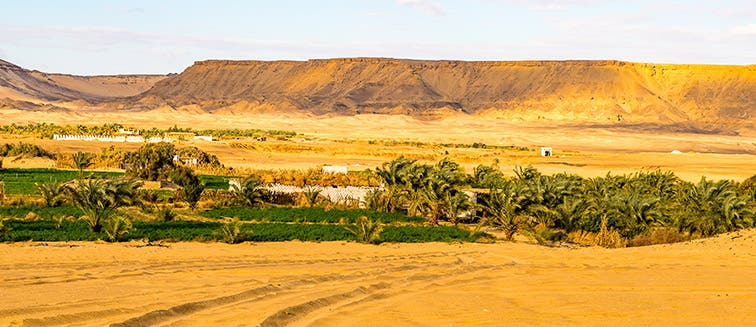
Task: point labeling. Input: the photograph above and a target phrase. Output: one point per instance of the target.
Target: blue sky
(112, 37)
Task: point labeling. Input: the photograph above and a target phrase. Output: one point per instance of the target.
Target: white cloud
(748, 29)
(427, 7)
(554, 5)
(548, 7)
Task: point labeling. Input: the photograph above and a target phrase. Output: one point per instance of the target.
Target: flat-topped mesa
(573, 89)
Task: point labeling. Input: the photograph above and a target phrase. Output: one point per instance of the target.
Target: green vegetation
(250, 193)
(46, 130)
(311, 215)
(24, 149)
(78, 230)
(99, 199)
(417, 144)
(191, 186)
(43, 212)
(611, 211)
(81, 161)
(549, 207)
(22, 181)
(366, 230)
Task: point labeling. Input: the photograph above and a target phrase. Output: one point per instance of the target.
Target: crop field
(78, 230)
(20, 181)
(307, 215)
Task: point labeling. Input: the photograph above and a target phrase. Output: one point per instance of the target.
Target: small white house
(546, 152)
(335, 169)
(203, 138)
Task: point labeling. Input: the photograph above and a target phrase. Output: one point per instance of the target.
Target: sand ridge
(703, 282)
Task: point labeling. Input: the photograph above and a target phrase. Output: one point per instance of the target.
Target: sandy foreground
(704, 282)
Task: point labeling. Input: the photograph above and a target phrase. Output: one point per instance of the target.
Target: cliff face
(585, 91)
(567, 89)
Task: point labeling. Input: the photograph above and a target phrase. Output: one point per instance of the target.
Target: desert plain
(705, 282)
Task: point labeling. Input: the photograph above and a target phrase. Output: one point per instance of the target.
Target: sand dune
(705, 282)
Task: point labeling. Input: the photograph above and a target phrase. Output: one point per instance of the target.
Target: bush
(231, 232)
(191, 186)
(609, 238)
(152, 161)
(24, 149)
(366, 230)
(116, 227)
(660, 235)
(165, 213)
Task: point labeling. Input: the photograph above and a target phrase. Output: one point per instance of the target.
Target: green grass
(42, 211)
(78, 230)
(213, 182)
(312, 215)
(21, 181)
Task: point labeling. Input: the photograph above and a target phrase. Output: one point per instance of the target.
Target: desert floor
(364, 142)
(704, 282)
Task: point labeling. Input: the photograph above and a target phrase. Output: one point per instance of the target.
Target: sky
(158, 37)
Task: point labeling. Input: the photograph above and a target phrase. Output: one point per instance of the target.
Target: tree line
(560, 204)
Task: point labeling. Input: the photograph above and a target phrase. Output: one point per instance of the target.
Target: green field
(21, 181)
(78, 230)
(311, 215)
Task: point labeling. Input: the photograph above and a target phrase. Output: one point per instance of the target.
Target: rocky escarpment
(562, 89)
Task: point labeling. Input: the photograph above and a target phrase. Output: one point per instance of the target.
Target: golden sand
(705, 282)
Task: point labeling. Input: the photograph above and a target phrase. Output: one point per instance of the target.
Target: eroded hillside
(21, 88)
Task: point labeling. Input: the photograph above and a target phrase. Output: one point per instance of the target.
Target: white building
(546, 152)
(335, 169)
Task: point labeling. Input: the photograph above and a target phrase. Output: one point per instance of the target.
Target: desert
(395, 163)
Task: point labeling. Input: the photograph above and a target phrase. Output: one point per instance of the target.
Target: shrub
(547, 236)
(116, 227)
(609, 238)
(24, 149)
(231, 232)
(165, 213)
(249, 193)
(191, 186)
(98, 199)
(152, 161)
(366, 230)
(52, 193)
(311, 197)
(4, 229)
(660, 235)
(82, 160)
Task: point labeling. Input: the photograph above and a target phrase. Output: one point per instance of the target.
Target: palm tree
(51, 192)
(250, 192)
(99, 199)
(312, 196)
(366, 230)
(713, 207)
(455, 205)
(503, 210)
(393, 175)
(568, 214)
(81, 161)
